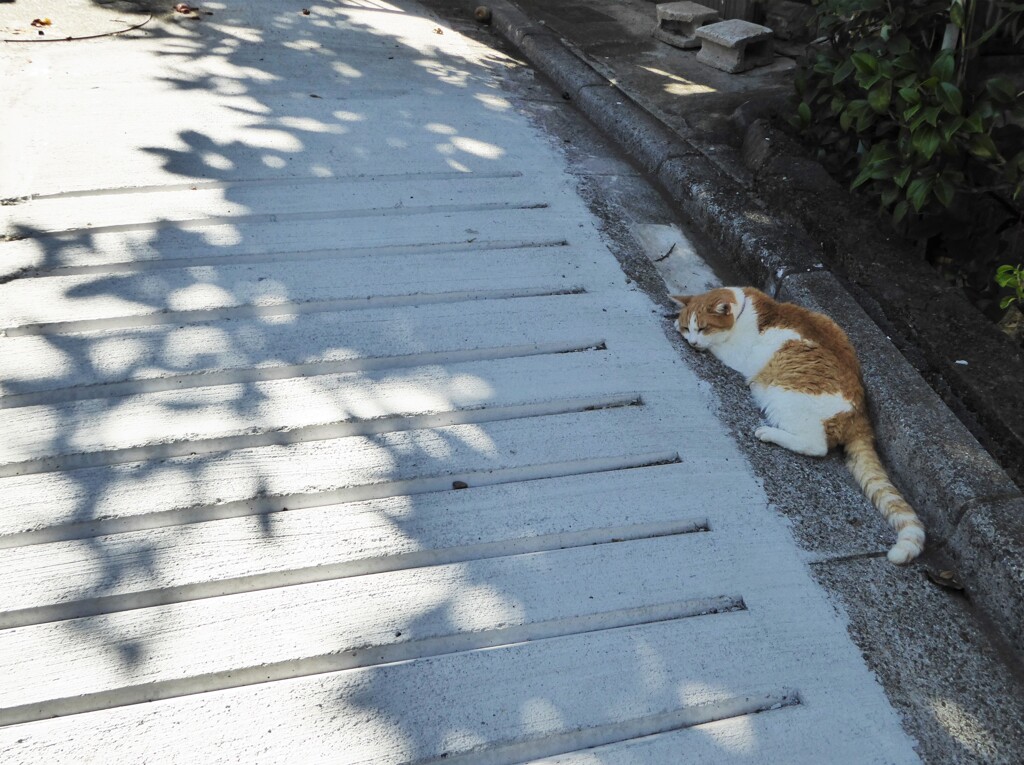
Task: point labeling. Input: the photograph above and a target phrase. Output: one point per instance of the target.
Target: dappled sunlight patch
(345, 70)
(454, 165)
(345, 116)
(679, 86)
(440, 129)
(449, 75)
(304, 45)
(480, 607)
(197, 296)
(115, 356)
(221, 236)
(273, 162)
(493, 102)
(653, 671)
(17, 442)
(311, 125)
(371, 5)
(477, 439)
(217, 161)
(459, 740)
(272, 138)
(478, 148)
(736, 734)
(965, 728)
(278, 319)
(541, 717)
(183, 348)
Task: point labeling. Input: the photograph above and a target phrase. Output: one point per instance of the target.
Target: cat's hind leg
(796, 420)
(806, 442)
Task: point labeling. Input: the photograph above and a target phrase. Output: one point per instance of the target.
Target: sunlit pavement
(333, 431)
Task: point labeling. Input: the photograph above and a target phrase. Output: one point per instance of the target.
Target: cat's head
(705, 320)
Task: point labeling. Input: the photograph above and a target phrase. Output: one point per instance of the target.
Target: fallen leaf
(460, 485)
(305, 11)
(944, 578)
(41, 22)
(438, 31)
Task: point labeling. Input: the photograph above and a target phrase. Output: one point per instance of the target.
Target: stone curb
(969, 504)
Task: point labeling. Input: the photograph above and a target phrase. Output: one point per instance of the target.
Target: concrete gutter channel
(973, 510)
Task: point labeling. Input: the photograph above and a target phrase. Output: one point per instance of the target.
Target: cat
(804, 375)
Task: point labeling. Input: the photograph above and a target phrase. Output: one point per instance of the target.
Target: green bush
(894, 102)
(1012, 278)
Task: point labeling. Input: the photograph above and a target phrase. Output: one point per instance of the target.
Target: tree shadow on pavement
(288, 107)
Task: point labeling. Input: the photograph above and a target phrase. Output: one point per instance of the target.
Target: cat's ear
(683, 300)
(723, 308)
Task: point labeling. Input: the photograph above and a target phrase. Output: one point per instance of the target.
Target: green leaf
(865, 63)
(858, 107)
(899, 212)
(899, 44)
(944, 191)
(902, 176)
(804, 112)
(1004, 276)
(943, 66)
(908, 113)
(1006, 302)
(918, 192)
(880, 152)
(907, 62)
(836, 104)
(867, 81)
(950, 98)
(926, 141)
(889, 196)
(846, 119)
(931, 115)
(974, 124)
(982, 146)
(984, 109)
(843, 71)
(880, 97)
(1001, 89)
(956, 14)
(862, 177)
(865, 120)
(951, 127)
(910, 95)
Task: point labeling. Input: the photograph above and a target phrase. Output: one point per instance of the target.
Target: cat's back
(819, 358)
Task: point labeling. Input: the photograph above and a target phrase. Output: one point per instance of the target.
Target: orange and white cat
(804, 375)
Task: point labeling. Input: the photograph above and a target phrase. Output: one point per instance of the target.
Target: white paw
(764, 433)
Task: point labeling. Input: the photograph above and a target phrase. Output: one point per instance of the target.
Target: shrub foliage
(896, 99)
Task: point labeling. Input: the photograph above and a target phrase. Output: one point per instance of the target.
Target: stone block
(677, 23)
(735, 45)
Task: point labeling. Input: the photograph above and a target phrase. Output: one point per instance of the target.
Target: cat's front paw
(764, 433)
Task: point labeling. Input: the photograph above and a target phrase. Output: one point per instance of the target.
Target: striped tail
(863, 461)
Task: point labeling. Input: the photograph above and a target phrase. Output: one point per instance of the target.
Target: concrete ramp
(331, 431)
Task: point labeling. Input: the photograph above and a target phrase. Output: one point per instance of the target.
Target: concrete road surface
(332, 430)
